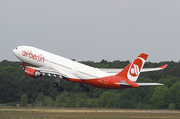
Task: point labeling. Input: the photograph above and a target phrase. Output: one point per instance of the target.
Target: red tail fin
(132, 71)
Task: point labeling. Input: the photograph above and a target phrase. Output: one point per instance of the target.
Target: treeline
(17, 88)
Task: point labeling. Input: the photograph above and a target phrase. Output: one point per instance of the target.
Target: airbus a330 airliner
(45, 63)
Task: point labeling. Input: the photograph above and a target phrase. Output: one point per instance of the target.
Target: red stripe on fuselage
(105, 82)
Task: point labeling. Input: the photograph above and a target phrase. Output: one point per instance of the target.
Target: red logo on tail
(135, 68)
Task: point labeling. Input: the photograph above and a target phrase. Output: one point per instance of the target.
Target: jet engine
(32, 73)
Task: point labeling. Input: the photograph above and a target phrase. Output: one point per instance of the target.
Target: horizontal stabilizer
(149, 84)
(115, 71)
(154, 69)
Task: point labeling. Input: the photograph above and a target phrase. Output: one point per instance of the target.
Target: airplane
(46, 63)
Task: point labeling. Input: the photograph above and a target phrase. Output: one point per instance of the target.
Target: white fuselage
(41, 58)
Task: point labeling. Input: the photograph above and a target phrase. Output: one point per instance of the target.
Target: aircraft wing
(110, 70)
(143, 70)
(51, 71)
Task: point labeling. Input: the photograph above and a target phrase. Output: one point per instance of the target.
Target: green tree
(174, 93)
(49, 102)
(66, 99)
(90, 102)
(172, 106)
(24, 100)
(104, 99)
(160, 98)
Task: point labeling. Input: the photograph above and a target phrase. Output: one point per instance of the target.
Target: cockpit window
(16, 48)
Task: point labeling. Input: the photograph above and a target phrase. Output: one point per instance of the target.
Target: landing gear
(60, 88)
(58, 85)
(84, 87)
(55, 85)
(81, 85)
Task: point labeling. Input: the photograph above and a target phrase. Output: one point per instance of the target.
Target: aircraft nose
(15, 51)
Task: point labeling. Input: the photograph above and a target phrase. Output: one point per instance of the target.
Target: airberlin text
(39, 57)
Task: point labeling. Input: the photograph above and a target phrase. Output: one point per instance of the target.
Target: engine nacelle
(32, 73)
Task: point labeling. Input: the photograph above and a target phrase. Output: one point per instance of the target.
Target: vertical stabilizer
(133, 70)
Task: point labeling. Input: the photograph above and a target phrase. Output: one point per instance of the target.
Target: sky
(92, 29)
